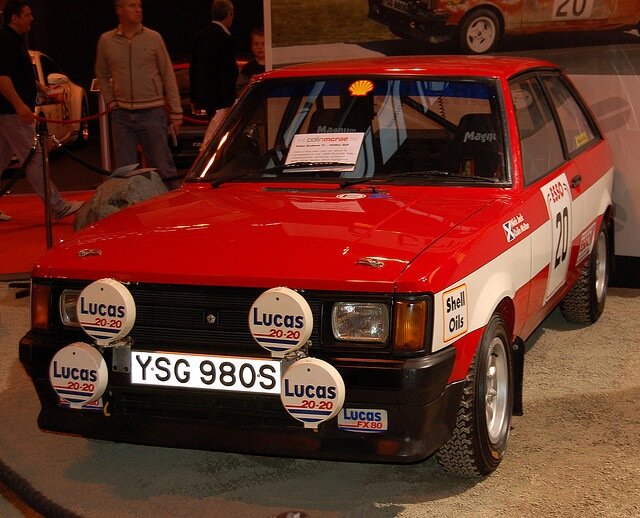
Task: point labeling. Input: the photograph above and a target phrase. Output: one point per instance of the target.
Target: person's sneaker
(70, 208)
(4, 216)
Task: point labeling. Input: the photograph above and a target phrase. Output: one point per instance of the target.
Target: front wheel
(479, 440)
(480, 32)
(585, 301)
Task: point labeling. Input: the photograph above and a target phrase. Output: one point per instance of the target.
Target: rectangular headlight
(360, 322)
(68, 307)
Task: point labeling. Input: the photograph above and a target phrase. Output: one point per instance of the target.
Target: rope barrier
(185, 118)
(19, 172)
(23, 489)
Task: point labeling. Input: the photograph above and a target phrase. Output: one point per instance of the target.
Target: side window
(576, 128)
(539, 139)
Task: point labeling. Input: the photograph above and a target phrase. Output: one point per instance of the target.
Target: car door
(548, 199)
(540, 13)
(589, 154)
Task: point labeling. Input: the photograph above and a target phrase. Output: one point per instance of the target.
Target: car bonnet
(257, 235)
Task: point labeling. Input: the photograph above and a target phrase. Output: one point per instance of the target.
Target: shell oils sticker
(586, 243)
(281, 321)
(515, 227)
(312, 391)
(455, 312)
(106, 310)
(365, 420)
(78, 374)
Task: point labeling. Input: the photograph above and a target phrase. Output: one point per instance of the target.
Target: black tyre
(479, 440)
(480, 32)
(585, 302)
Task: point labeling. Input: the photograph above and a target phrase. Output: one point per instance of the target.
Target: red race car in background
(350, 271)
(67, 102)
(480, 25)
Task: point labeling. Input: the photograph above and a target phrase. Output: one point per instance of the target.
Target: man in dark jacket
(213, 72)
(18, 90)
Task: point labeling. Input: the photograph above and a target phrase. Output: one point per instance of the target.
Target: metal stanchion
(105, 148)
(42, 138)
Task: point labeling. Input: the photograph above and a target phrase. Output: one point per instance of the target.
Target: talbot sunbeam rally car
(480, 25)
(349, 272)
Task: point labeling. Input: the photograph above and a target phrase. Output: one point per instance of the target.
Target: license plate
(396, 5)
(201, 371)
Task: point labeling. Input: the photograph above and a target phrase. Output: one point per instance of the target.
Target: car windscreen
(358, 129)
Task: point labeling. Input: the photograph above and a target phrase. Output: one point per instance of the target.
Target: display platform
(24, 237)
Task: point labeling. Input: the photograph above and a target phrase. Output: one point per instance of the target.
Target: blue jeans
(147, 127)
(16, 138)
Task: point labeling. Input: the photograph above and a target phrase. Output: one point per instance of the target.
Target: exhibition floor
(24, 237)
(573, 453)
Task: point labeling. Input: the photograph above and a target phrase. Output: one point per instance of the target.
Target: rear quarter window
(576, 128)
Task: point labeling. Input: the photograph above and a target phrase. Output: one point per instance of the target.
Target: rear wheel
(479, 440)
(479, 32)
(585, 302)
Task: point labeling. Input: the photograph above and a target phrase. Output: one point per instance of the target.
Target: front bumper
(413, 20)
(420, 404)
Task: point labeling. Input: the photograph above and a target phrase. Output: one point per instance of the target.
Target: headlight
(68, 307)
(360, 322)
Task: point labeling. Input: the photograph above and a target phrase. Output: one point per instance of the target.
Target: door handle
(576, 180)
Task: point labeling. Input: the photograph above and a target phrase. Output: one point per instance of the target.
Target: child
(255, 65)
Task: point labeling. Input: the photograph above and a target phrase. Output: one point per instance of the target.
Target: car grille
(174, 318)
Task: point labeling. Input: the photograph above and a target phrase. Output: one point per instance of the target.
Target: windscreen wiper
(388, 178)
(431, 173)
(338, 167)
(420, 174)
(216, 182)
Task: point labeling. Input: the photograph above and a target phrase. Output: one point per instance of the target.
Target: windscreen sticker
(360, 88)
(455, 311)
(581, 139)
(325, 149)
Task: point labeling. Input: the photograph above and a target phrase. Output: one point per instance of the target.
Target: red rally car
(349, 272)
(480, 25)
